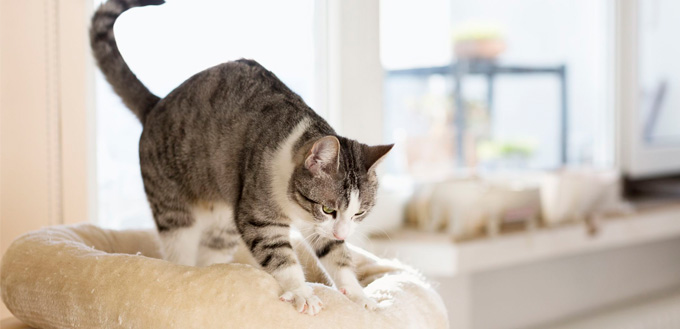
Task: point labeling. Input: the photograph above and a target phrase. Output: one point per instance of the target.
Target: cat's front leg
(337, 260)
(269, 242)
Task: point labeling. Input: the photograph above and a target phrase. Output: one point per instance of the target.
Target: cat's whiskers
(382, 231)
(365, 239)
(312, 238)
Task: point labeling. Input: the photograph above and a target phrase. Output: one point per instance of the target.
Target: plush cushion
(87, 277)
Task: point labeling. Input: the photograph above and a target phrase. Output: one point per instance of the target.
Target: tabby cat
(233, 153)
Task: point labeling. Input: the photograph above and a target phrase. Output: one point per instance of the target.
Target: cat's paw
(360, 298)
(303, 300)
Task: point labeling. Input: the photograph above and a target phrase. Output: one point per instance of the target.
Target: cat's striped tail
(134, 94)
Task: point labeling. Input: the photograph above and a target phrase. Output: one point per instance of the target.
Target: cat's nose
(338, 237)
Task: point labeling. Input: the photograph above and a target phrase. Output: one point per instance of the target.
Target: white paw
(361, 299)
(303, 300)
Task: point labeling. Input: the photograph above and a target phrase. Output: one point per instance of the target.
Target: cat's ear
(323, 156)
(374, 154)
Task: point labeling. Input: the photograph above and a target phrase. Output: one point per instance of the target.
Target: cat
(233, 154)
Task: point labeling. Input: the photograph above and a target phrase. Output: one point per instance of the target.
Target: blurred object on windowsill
(478, 40)
(582, 195)
(470, 207)
(488, 205)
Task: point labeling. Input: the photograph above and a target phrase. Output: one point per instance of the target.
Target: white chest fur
(281, 169)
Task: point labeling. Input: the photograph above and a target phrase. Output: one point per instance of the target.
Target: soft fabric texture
(83, 276)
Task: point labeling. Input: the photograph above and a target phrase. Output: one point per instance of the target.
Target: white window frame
(350, 73)
(636, 159)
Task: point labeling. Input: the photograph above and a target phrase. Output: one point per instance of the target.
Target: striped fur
(233, 156)
(133, 93)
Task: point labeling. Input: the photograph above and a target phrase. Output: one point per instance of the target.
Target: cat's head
(336, 184)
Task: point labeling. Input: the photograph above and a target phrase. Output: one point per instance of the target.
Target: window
(659, 74)
(167, 44)
(648, 91)
(496, 85)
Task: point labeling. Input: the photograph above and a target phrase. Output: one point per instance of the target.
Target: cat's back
(203, 128)
(236, 86)
(222, 100)
(232, 99)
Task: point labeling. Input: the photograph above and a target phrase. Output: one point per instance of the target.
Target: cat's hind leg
(180, 245)
(220, 237)
(177, 228)
(171, 207)
(215, 254)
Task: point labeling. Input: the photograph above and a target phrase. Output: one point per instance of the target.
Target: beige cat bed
(86, 277)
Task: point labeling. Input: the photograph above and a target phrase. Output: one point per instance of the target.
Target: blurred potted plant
(478, 40)
(511, 154)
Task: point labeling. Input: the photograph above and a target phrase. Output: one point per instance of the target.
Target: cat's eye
(327, 210)
(360, 213)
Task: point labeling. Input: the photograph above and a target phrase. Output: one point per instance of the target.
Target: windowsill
(436, 254)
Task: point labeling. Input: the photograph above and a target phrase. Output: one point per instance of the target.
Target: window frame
(636, 159)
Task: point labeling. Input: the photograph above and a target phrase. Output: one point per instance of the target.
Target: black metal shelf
(491, 68)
